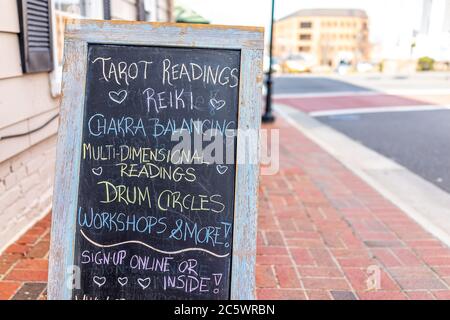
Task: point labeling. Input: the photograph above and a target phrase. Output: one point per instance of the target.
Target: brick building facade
(327, 35)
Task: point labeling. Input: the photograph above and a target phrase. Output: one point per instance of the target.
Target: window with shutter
(35, 35)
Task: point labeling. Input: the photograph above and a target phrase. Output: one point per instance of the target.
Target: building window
(63, 11)
(304, 49)
(67, 9)
(75, 7)
(306, 25)
(305, 36)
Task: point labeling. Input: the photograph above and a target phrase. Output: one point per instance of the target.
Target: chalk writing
(156, 201)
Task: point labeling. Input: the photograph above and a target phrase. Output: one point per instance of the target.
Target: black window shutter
(141, 16)
(35, 35)
(107, 9)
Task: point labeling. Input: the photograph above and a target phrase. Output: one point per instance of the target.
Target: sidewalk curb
(428, 205)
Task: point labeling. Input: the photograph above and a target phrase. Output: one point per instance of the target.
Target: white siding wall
(27, 163)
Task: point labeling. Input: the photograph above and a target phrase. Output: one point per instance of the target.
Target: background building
(424, 33)
(32, 37)
(326, 35)
(433, 37)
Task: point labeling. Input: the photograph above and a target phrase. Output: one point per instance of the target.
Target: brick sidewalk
(23, 266)
(320, 229)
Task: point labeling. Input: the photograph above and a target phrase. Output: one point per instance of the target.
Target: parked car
(297, 63)
(343, 67)
(364, 66)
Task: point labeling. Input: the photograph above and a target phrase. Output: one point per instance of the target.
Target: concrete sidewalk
(322, 234)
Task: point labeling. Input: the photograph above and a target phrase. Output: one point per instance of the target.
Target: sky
(389, 21)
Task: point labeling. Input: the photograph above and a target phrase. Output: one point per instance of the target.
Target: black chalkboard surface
(155, 213)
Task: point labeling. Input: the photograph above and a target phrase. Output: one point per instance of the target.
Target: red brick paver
(311, 104)
(322, 234)
(337, 235)
(24, 265)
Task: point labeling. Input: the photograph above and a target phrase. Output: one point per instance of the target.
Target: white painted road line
(326, 94)
(421, 200)
(378, 110)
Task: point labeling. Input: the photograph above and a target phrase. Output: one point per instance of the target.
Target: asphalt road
(358, 83)
(311, 84)
(418, 140)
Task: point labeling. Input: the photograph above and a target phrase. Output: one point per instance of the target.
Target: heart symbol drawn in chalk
(221, 169)
(122, 281)
(97, 171)
(99, 281)
(217, 104)
(144, 283)
(118, 96)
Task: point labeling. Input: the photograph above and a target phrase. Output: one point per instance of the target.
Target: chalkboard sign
(150, 201)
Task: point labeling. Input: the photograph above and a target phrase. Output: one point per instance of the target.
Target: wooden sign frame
(81, 33)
